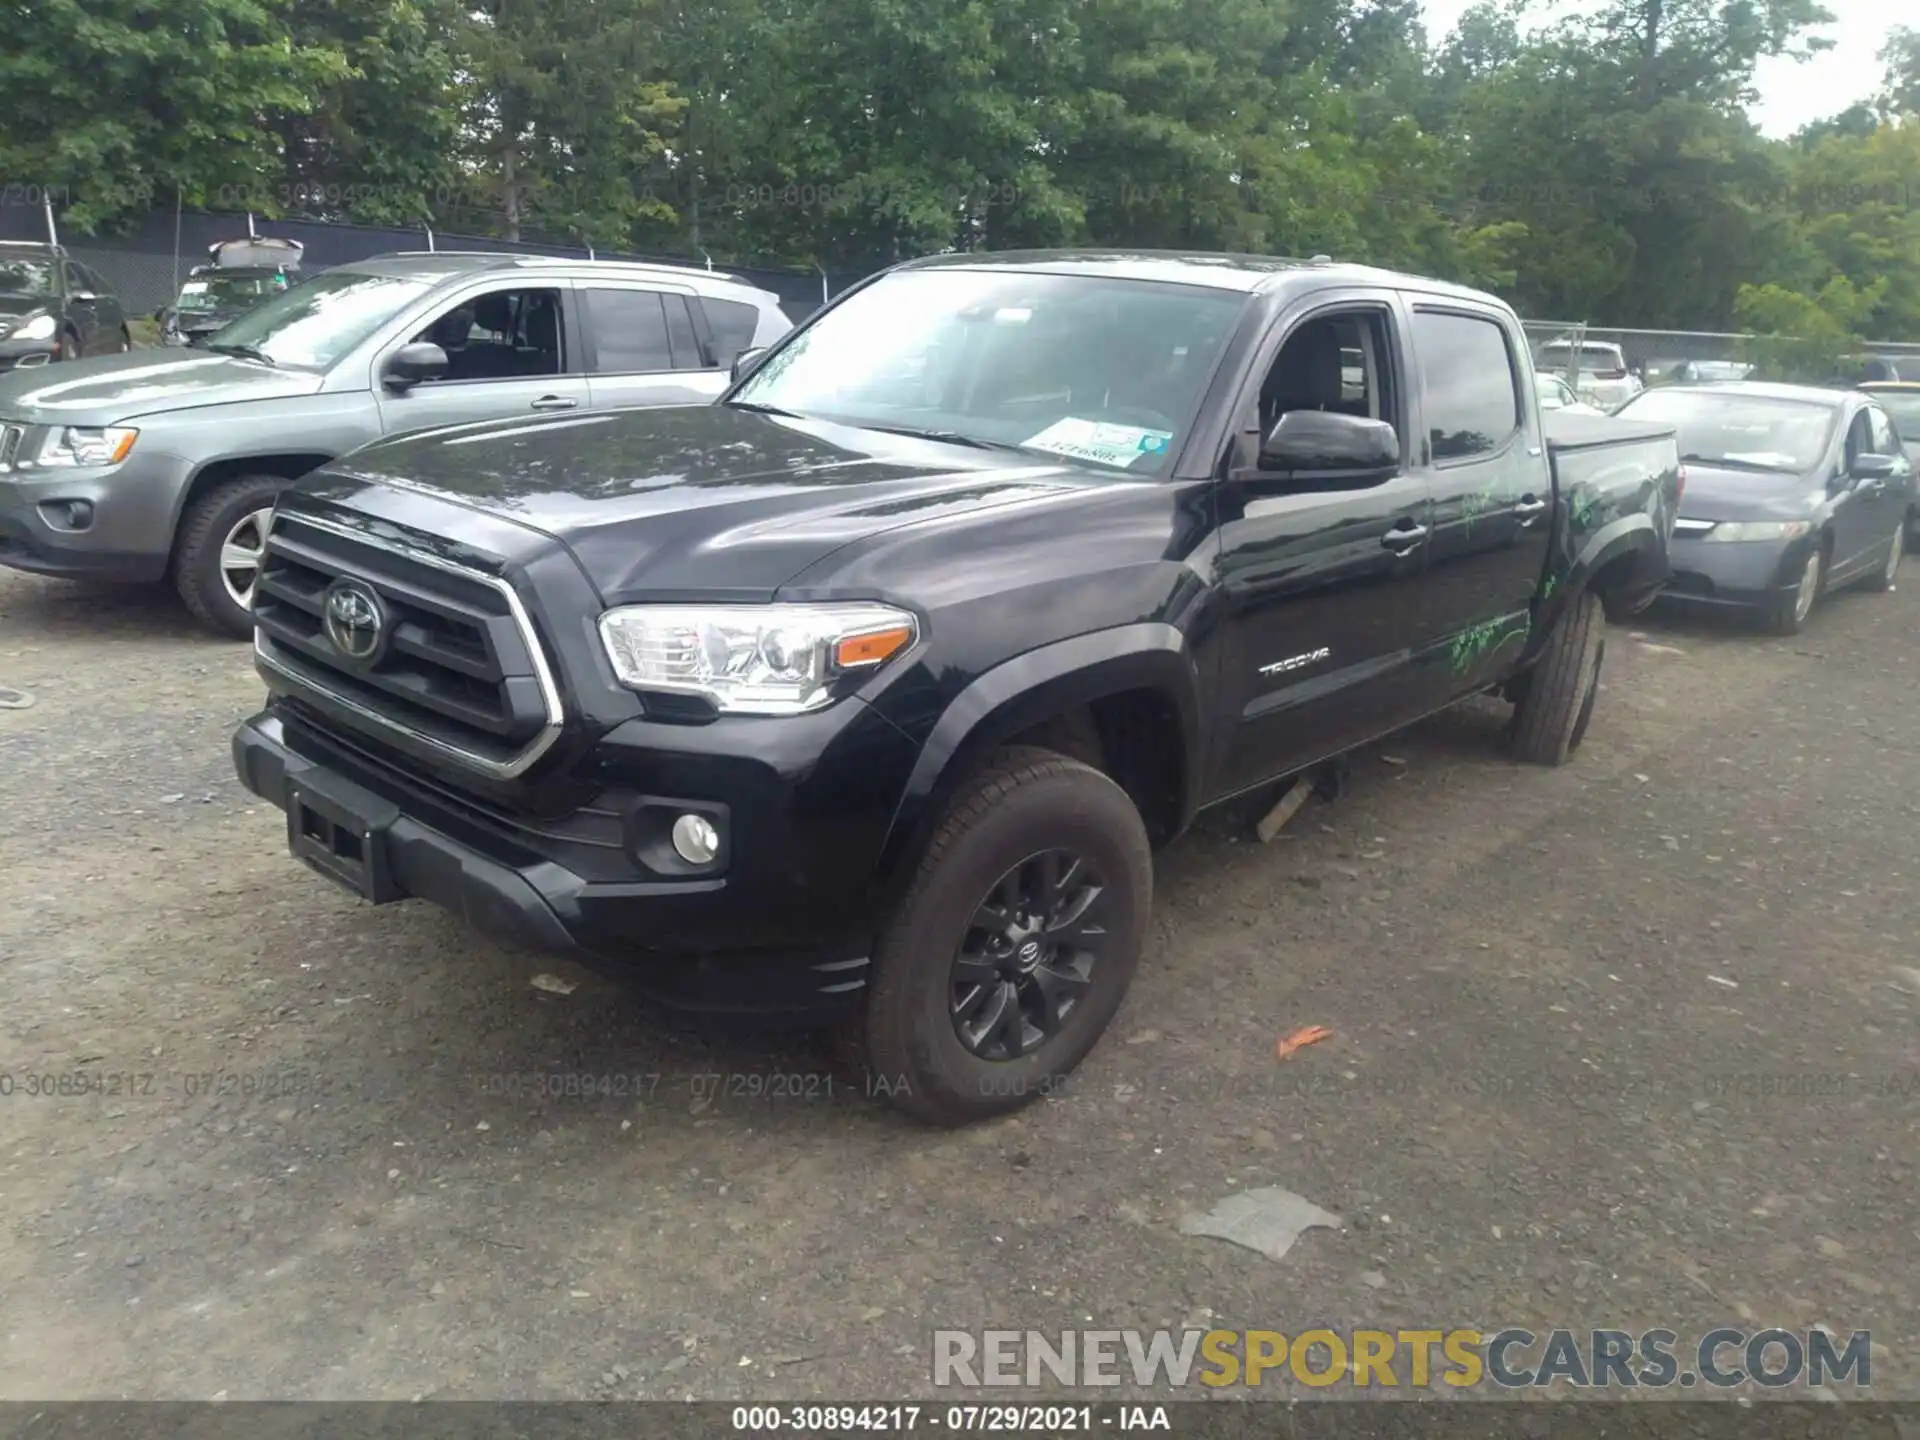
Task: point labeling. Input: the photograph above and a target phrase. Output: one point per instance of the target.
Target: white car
(1556, 394)
(1602, 378)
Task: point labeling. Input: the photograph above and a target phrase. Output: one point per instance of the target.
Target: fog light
(695, 840)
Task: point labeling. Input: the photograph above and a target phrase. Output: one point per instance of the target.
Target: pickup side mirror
(1329, 440)
(83, 297)
(412, 363)
(744, 362)
(1873, 467)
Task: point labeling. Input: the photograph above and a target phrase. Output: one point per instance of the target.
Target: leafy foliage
(1600, 165)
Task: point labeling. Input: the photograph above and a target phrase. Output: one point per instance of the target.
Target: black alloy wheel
(1029, 955)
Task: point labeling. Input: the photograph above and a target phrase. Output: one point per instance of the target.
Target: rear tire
(924, 1035)
(1556, 704)
(126, 340)
(227, 520)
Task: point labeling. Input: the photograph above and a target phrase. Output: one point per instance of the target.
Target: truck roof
(1221, 270)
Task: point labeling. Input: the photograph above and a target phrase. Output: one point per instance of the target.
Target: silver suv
(165, 464)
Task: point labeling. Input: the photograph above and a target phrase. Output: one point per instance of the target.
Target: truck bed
(1610, 476)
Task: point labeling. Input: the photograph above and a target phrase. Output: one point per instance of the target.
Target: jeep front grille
(459, 671)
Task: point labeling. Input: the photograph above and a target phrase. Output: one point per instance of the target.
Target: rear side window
(629, 331)
(680, 335)
(733, 324)
(1472, 388)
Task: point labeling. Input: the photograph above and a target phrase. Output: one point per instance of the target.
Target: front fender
(1026, 692)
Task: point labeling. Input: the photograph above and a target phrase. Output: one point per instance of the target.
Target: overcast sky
(1790, 95)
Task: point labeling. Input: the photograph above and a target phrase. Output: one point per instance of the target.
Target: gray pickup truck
(165, 465)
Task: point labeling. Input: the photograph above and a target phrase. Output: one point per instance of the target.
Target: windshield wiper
(250, 352)
(944, 437)
(759, 409)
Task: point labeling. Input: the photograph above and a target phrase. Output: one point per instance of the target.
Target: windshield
(1100, 370)
(1744, 432)
(26, 277)
(1904, 407)
(215, 291)
(316, 322)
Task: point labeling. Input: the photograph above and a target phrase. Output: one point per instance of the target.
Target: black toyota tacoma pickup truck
(868, 689)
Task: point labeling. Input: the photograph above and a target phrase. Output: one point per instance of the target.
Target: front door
(509, 355)
(1483, 460)
(1320, 573)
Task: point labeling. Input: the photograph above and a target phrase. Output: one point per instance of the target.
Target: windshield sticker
(1105, 444)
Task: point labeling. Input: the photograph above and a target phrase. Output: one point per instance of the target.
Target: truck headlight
(79, 445)
(753, 659)
(1760, 530)
(40, 327)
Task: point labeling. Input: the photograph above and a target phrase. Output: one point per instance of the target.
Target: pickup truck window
(1101, 370)
(1881, 435)
(1472, 384)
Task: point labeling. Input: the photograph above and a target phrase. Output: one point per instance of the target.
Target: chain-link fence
(1659, 356)
(147, 264)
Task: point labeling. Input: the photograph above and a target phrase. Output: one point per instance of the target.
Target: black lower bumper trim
(545, 906)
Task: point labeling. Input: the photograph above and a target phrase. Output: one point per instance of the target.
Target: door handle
(1403, 538)
(554, 402)
(1528, 510)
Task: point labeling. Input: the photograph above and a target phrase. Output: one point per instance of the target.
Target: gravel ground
(1630, 1043)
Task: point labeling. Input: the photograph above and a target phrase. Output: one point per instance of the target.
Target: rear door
(1320, 574)
(645, 347)
(1483, 459)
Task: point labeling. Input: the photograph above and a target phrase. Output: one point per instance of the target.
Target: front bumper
(782, 929)
(1746, 574)
(128, 534)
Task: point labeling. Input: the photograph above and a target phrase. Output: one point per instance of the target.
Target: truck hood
(1714, 493)
(112, 388)
(691, 501)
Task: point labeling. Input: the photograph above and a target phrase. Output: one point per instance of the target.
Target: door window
(1334, 361)
(1880, 433)
(1471, 385)
(641, 331)
(501, 335)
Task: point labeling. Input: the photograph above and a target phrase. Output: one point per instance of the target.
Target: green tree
(118, 104)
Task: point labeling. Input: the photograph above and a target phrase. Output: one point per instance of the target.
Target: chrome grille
(461, 671)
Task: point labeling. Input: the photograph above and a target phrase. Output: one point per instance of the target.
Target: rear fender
(1629, 552)
(1026, 692)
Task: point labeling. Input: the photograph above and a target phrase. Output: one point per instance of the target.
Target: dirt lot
(1540, 1106)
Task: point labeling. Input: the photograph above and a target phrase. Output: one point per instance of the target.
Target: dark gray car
(54, 308)
(1791, 492)
(165, 464)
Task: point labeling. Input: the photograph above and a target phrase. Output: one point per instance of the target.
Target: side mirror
(744, 362)
(1874, 467)
(414, 362)
(83, 297)
(1328, 440)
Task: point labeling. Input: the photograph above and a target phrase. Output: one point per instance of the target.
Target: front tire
(1883, 578)
(217, 558)
(1556, 703)
(1789, 612)
(1015, 943)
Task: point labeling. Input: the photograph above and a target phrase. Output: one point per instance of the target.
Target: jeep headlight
(40, 327)
(1760, 530)
(80, 445)
(753, 659)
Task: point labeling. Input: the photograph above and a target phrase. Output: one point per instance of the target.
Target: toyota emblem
(354, 618)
